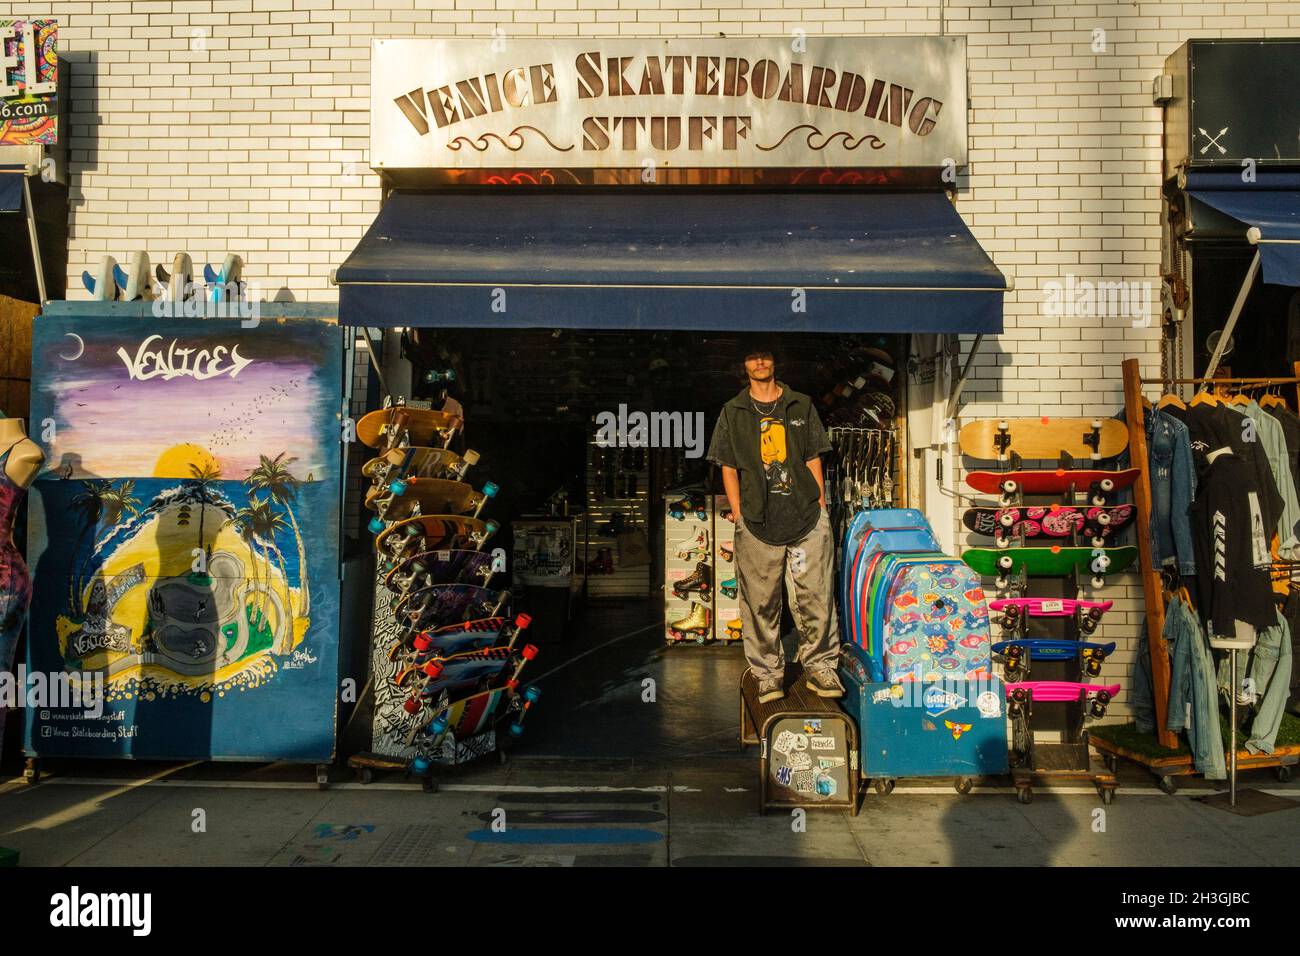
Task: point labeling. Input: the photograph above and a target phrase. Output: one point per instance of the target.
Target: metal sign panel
(876, 102)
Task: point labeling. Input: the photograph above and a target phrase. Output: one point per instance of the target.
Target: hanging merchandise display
(1219, 638)
(447, 656)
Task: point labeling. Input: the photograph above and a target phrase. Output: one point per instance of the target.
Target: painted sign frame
(29, 74)
(184, 534)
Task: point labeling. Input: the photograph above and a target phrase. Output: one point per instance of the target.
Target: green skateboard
(1005, 562)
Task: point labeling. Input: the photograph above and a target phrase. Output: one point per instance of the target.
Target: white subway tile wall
(210, 126)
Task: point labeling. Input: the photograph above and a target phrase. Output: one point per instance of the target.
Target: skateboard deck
(1053, 521)
(1049, 691)
(443, 604)
(388, 428)
(432, 496)
(1043, 438)
(455, 673)
(1048, 561)
(430, 533)
(1050, 607)
(419, 462)
(448, 566)
(1050, 482)
(450, 639)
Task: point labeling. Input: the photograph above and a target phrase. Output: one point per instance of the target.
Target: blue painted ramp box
(948, 728)
(184, 533)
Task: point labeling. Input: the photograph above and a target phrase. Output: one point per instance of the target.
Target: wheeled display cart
(1117, 742)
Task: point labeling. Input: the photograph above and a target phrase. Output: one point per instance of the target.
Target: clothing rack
(1151, 583)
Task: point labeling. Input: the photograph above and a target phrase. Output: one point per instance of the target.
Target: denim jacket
(1173, 487)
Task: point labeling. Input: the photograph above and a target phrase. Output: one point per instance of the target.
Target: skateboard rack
(1070, 758)
(1151, 585)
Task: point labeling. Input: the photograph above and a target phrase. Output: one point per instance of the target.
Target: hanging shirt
(1231, 537)
(1270, 446)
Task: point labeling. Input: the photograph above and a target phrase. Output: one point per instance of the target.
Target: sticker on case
(811, 726)
(825, 785)
(988, 704)
(784, 742)
(800, 761)
(822, 743)
(783, 776)
(803, 781)
(830, 763)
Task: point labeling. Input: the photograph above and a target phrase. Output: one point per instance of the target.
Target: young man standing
(768, 441)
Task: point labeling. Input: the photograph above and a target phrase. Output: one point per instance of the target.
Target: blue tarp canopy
(1270, 204)
(657, 258)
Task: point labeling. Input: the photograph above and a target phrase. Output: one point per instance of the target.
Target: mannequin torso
(25, 456)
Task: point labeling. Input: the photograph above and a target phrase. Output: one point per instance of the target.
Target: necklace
(753, 401)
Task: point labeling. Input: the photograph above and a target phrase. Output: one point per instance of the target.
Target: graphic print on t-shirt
(771, 443)
(1259, 555)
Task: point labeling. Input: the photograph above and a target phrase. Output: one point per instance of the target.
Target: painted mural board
(184, 537)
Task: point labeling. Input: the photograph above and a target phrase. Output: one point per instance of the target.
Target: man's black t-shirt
(785, 521)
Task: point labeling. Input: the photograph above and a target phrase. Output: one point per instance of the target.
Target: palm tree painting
(203, 478)
(272, 475)
(266, 524)
(100, 504)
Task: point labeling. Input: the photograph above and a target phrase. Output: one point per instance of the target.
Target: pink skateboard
(1023, 696)
(1015, 610)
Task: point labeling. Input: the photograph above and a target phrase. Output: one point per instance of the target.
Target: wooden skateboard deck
(1055, 521)
(1043, 438)
(1047, 561)
(419, 462)
(387, 428)
(1049, 482)
(433, 496)
(431, 532)
(448, 566)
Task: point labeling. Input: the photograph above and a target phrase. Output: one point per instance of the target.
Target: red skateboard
(1010, 484)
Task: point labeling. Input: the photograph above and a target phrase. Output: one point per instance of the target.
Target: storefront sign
(27, 87)
(637, 103)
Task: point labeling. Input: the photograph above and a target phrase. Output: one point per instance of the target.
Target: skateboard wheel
(422, 642)
(1106, 484)
(411, 705)
(1006, 519)
(530, 651)
(490, 489)
(1101, 562)
(1098, 581)
(1006, 562)
(1103, 518)
(1020, 695)
(1014, 652)
(532, 692)
(397, 486)
(1008, 487)
(432, 669)
(516, 729)
(420, 765)
(439, 724)
(1099, 542)
(523, 620)
(376, 525)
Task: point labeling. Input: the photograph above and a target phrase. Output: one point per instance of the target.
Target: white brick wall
(196, 126)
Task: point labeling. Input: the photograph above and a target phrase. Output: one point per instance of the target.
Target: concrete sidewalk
(608, 813)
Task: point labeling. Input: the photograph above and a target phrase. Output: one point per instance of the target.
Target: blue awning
(11, 188)
(1269, 209)
(663, 259)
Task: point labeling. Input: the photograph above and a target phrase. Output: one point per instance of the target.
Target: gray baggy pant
(806, 568)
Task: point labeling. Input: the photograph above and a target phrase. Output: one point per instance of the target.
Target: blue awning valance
(665, 259)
